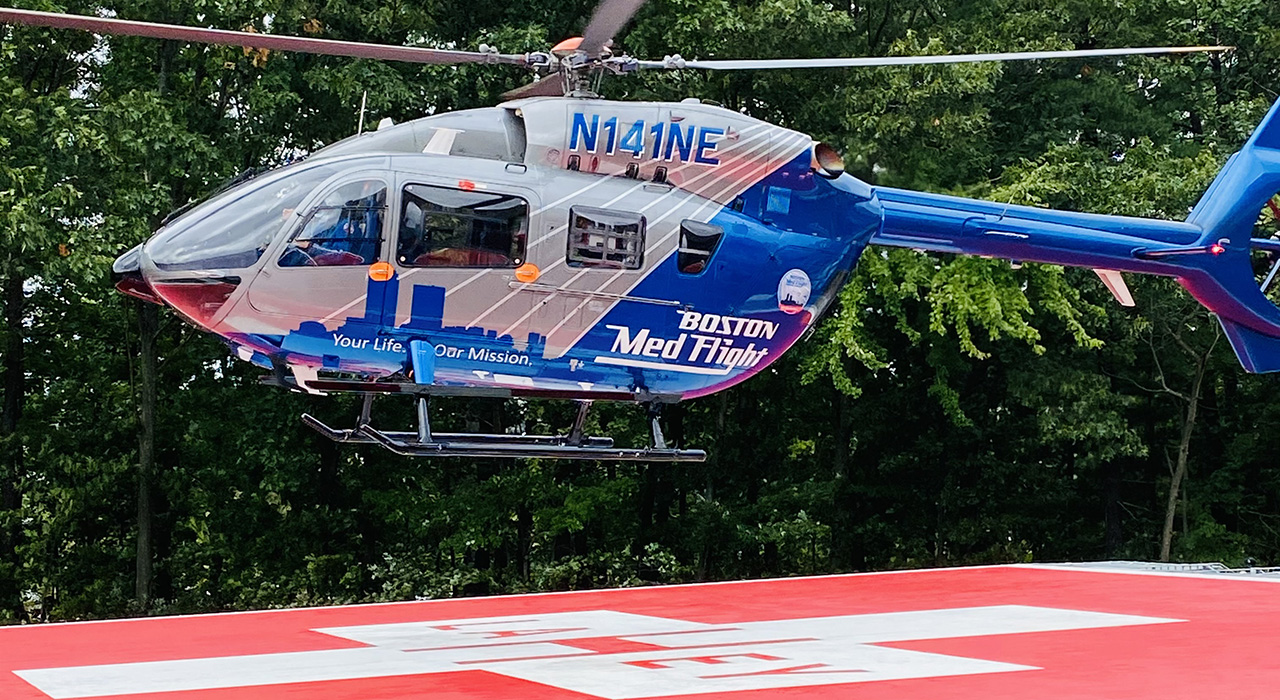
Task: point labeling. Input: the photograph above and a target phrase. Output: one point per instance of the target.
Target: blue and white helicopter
(564, 246)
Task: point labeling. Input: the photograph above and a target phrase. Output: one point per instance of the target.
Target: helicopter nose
(196, 261)
(197, 298)
(126, 273)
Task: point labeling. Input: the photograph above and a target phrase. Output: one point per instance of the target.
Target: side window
(442, 227)
(345, 228)
(698, 241)
(605, 238)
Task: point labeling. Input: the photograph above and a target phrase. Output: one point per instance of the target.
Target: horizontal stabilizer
(1256, 352)
(1115, 282)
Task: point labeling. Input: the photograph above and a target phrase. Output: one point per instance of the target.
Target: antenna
(363, 99)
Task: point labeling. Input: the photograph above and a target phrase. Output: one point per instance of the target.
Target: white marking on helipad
(669, 657)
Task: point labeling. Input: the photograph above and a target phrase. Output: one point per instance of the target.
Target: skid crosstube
(502, 446)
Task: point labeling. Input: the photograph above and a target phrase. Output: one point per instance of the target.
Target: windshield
(232, 230)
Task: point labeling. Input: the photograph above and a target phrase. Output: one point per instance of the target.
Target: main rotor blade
(675, 63)
(608, 19)
(328, 47)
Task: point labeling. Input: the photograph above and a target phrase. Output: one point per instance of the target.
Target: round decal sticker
(793, 291)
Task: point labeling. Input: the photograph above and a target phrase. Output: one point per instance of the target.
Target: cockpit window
(232, 230)
(345, 228)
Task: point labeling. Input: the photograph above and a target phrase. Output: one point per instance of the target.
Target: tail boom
(1209, 253)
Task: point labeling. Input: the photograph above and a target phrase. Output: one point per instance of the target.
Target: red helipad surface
(984, 632)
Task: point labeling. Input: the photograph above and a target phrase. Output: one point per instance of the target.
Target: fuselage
(558, 244)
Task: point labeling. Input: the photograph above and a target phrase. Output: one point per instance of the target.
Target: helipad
(1039, 632)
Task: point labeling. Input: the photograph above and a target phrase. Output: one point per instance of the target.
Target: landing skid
(325, 385)
(575, 445)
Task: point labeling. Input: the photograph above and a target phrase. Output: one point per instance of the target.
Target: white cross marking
(660, 656)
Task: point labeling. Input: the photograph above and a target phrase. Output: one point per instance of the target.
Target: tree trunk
(645, 510)
(148, 329)
(1112, 512)
(1180, 464)
(15, 390)
(328, 483)
(524, 540)
(841, 460)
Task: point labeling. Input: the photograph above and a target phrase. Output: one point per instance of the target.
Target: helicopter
(560, 245)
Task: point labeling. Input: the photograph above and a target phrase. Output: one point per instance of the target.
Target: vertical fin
(1256, 352)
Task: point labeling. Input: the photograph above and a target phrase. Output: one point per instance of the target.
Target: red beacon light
(1215, 249)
